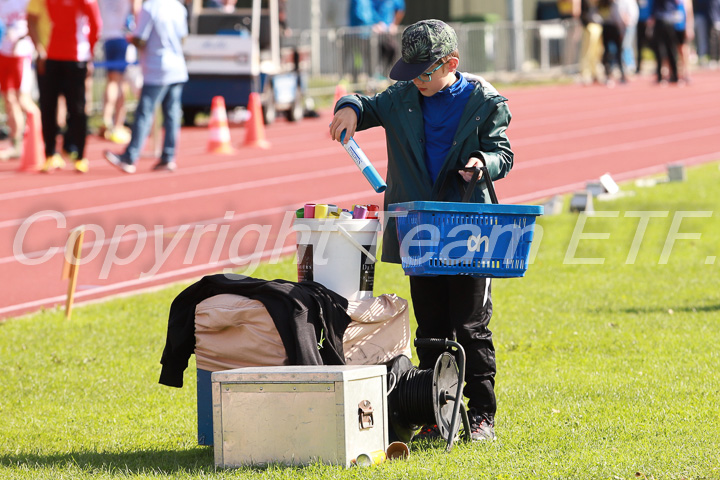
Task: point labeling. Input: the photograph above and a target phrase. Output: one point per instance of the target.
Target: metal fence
(361, 56)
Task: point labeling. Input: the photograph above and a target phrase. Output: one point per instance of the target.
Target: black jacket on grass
(303, 314)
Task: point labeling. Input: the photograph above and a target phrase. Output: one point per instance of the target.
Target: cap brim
(407, 71)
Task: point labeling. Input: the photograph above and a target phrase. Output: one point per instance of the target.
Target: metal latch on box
(365, 415)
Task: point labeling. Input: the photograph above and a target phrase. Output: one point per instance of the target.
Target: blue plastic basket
(457, 238)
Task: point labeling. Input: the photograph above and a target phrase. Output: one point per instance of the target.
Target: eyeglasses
(428, 75)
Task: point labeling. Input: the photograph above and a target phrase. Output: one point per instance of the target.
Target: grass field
(605, 370)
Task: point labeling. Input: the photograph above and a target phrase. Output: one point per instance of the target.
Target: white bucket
(339, 254)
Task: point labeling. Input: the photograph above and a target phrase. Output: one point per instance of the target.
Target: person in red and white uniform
(61, 69)
(16, 51)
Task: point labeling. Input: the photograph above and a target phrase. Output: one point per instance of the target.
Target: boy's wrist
(351, 106)
(480, 156)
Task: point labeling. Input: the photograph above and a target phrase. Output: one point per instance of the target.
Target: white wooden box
(297, 415)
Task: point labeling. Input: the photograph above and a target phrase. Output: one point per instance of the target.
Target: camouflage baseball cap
(423, 43)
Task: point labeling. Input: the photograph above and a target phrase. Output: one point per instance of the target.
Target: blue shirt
(645, 7)
(385, 10)
(441, 117)
(162, 24)
(361, 13)
(680, 17)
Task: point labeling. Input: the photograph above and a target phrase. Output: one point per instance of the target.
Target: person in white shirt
(161, 27)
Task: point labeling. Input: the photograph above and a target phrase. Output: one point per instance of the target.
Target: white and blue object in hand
(363, 163)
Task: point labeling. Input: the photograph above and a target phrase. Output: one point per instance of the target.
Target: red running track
(215, 212)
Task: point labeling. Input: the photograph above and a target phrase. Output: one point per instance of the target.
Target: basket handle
(473, 182)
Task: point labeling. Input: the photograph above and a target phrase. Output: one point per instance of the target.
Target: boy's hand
(344, 119)
(473, 162)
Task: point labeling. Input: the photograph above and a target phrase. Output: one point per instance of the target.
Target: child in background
(117, 17)
(16, 50)
(438, 121)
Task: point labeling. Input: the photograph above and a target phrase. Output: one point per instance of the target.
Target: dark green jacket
(482, 129)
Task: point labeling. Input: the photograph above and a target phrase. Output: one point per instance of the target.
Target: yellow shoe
(52, 163)
(82, 165)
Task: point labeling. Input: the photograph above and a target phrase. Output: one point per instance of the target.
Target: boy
(438, 121)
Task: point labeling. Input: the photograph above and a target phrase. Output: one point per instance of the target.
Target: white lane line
(541, 107)
(238, 217)
(189, 171)
(535, 163)
(619, 176)
(619, 147)
(567, 118)
(144, 202)
(611, 128)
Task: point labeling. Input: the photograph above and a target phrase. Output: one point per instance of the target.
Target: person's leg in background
(10, 79)
(150, 95)
(26, 89)
(61, 113)
(591, 52)
(25, 100)
(608, 38)
(585, 71)
(74, 78)
(172, 116)
(50, 90)
(683, 56)
(671, 49)
(702, 37)
(664, 38)
(388, 52)
(714, 47)
(596, 50)
(117, 132)
(619, 39)
(628, 55)
(116, 89)
(641, 42)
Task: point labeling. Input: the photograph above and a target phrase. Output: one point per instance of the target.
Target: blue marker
(363, 164)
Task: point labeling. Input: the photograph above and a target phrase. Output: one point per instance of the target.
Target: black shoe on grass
(481, 426)
(427, 432)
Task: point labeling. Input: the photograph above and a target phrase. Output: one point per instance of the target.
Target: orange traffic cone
(340, 91)
(33, 156)
(255, 136)
(219, 131)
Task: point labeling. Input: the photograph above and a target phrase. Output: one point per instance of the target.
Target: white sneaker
(117, 161)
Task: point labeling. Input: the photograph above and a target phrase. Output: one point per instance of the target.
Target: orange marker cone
(255, 136)
(340, 91)
(219, 131)
(33, 156)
